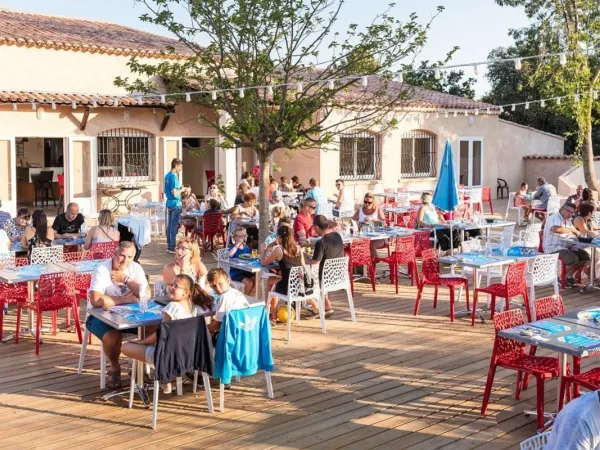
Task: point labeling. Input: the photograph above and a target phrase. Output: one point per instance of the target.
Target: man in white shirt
(557, 227)
(577, 426)
(117, 281)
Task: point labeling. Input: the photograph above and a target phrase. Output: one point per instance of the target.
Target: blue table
(18, 248)
(85, 266)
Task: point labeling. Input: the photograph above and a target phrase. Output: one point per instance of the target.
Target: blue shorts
(99, 328)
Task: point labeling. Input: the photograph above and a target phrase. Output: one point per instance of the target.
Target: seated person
(577, 425)
(213, 192)
(297, 186)
(187, 300)
(558, 226)
(543, 193)
(15, 227)
(187, 262)
(213, 206)
(238, 248)
(117, 281)
(105, 231)
(588, 198)
(68, 224)
(246, 209)
(189, 202)
(586, 226)
(276, 200)
(576, 197)
(228, 299)
(38, 234)
(370, 214)
(243, 189)
(463, 211)
(428, 216)
(303, 228)
(522, 201)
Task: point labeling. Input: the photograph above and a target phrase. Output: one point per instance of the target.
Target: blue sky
(476, 26)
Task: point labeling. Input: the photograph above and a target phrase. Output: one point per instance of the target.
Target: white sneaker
(167, 388)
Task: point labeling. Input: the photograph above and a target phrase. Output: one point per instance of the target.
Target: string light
(446, 114)
(213, 95)
(270, 90)
(518, 64)
(140, 101)
(475, 70)
(476, 112)
(241, 92)
(526, 105)
(116, 103)
(437, 115)
(400, 77)
(562, 58)
(513, 107)
(33, 107)
(455, 113)
(488, 111)
(595, 95)
(466, 113)
(14, 106)
(331, 84)
(53, 105)
(437, 74)
(543, 103)
(163, 99)
(188, 98)
(576, 98)
(74, 104)
(558, 100)
(364, 81)
(94, 103)
(299, 87)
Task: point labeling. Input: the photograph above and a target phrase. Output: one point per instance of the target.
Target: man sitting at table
(117, 281)
(15, 227)
(303, 223)
(557, 227)
(543, 193)
(68, 224)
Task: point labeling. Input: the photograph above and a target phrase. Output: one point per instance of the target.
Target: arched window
(359, 156)
(418, 154)
(124, 153)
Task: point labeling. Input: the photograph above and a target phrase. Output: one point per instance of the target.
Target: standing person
(68, 224)
(105, 231)
(303, 228)
(341, 201)
(39, 234)
(298, 187)
(330, 246)
(370, 213)
(15, 227)
(543, 194)
(117, 281)
(173, 192)
(316, 193)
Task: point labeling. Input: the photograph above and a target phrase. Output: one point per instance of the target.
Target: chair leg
(18, 330)
(351, 304)
(132, 383)
(351, 279)
(209, 400)
(155, 404)
(452, 303)
(1, 318)
(418, 300)
(519, 385)
(527, 376)
(396, 276)
(474, 312)
(54, 317)
(38, 331)
(372, 275)
(467, 293)
(102, 367)
(564, 388)
(77, 322)
(84, 344)
(527, 305)
(269, 385)
(289, 325)
(435, 293)
(491, 207)
(493, 306)
(576, 371)
(540, 403)
(321, 302)
(488, 387)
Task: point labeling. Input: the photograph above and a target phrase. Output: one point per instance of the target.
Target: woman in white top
(105, 231)
(369, 214)
(187, 262)
(187, 300)
(342, 202)
(213, 192)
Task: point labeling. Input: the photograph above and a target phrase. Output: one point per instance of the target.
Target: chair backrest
(475, 195)
(212, 223)
(47, 255)
(553, 205)
(537, 442)
(548, 307)
(486, 194)
(360, 252)
(511, 201)
(103, 250)
(531, 235)
(515, 279)
(501, 182)
(412, 223)
(7, 259)
(422, 242)
(507, 237)
(296, 283)
(430, 266)
(403, 199)
(223, 259)
(56, 291)
(326, 209)
(389, 190)
(160, 211)
(404, 249)
(470, 245)
(401, 189)
(159, 288)
(138, 209)
(596, 219)
(544, 269)
(541, 238)
(504, 346)
(61, 183)
(335, 275)
(77, 256)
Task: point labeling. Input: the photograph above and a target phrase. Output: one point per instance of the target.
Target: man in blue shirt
(173, 191)
(317, 194)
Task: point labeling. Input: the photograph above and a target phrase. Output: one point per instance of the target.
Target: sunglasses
(311, 207)
(25, 217)
(368, 203)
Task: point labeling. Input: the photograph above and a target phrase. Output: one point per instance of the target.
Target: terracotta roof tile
(37, 30)
(66, 99)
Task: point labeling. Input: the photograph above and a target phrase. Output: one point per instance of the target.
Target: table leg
(467, 311)
(590, 285)
(30, 318)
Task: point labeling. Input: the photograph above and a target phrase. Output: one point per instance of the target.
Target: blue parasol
(445, 196)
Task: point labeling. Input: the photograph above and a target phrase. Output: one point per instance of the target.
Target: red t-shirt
(301, 222)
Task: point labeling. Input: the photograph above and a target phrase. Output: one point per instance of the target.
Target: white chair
(596, 219)
(542, 274)
(295, 295)
(47, 255)
(336, 278)
(530, 236)
(139, 209)
(552, 207)
(159, 218)
(159, 288)
(403, 199)
(474, 245)
(537, 442)
(475, 195)
(510, 206)
(223, 263)
(505, 240)
(325, 209)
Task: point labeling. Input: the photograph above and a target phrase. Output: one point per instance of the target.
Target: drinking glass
(406, 219)
(143, 302)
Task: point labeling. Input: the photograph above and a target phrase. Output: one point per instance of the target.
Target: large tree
(570, 28)
(292, 45)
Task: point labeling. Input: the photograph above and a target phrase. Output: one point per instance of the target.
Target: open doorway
(40, 162)
(198, 157)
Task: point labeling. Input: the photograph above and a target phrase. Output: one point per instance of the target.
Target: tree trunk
(587, 156)
(264, 159)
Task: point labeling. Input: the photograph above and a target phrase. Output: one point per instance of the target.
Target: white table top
(476, 261)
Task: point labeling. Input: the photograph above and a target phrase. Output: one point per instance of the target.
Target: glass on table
(406, 220)
(143, 302)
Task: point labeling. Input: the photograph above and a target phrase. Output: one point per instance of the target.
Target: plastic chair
(55, 291)
(10, 293)
(404, 253)
(412, 222)
(514, 285)
(422, 242)
(103, 250)
(530, 236)
(563, 267)
(223, 263)
(61, 186)
(296, 295)
(501, 184)
(506, 238)
(336, 278)
(325, 209)
(542, 274)
(510, 354)
(589, 380)
(537, 442)
(82, 283)
(212, 225)
(47, 255)
(512, 206)
(228, 363)
(359, 253)
(158, 288)
(431, 276)
(159, 217)
(474, 197)
(486, 197)
(552, 207)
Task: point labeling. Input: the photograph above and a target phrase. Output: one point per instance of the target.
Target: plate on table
(248, 257)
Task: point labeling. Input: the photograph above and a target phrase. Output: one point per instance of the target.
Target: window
(359, 156)
(418, 154)
(124, 153)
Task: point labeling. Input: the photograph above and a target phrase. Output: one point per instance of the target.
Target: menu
(586, 340)
(132, 312)
(550, 327)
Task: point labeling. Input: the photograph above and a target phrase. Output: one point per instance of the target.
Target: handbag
(307, 287)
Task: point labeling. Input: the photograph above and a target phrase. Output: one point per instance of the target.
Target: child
(238, 248)
(187, 300)
(521, 201)
(228, 299)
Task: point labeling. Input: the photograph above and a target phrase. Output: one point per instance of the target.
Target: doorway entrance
(198, 157)
(470, 167)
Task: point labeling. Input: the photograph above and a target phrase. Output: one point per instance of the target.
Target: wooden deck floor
(390, 380)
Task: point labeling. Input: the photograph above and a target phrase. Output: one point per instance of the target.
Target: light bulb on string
(163, 99)
(475, 70)
(562, 58)
(94, 103)
(543, 103)
(364, 81)
(270, 90)
(33, 106)
(501, 109)
(595, 95)
(455, 113)
(576, 98)
(488, 111)
(53, 105)
(513, 107)
(446, 114)
(526, 105)
(400, 77)
(14, 106)
(518, 64)
(477, 112)
(331, 84)
(427, 116)
(188, 97)
(558, 100)
(241, 92)
(73, 104)
(213, 95)
(116, 101)
(437, 74)
(140, 101)
(437, 115)
(466, 113)
(299, 87)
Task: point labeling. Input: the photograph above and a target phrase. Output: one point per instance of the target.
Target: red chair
(61, 185)
(486, 197)
(404, 253)
(55, 291)
(212, 225)
(510, 354)
(514, 285)
(589, 380)
(10, 293)
(431, 276)
(422, 242)
(412, 223)
(103, 250)
(82, 283)
(359, 254)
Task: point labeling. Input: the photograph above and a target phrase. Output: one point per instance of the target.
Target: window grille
(359, 156)
(418, 154)
(124, 154)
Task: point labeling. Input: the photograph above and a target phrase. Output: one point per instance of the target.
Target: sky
(476, 26)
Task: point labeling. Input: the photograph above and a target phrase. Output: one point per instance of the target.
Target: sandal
(114, 380)
(273, 322)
